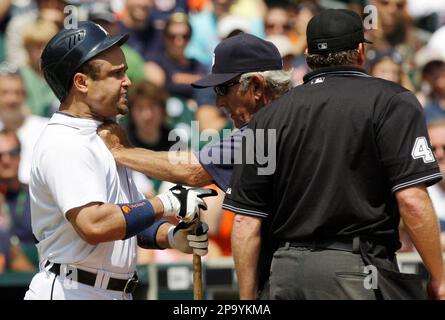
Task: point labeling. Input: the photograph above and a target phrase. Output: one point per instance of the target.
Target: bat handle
(197, 277)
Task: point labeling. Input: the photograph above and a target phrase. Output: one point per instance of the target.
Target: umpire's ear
(80, 82)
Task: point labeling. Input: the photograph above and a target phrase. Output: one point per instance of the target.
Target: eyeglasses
(172, 36)
(223, 89)
(12, 153)
(284, 26)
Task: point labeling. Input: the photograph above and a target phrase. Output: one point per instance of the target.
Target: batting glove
(184, 203)
(190, 238)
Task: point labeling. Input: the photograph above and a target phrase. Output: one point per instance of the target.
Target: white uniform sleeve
(75, 176)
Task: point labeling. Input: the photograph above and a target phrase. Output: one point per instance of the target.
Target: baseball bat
(197, 277)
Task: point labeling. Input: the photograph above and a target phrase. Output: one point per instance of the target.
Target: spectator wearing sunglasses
(174, 70)
(171, 67)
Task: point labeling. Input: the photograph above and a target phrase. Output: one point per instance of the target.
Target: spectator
(172, 68)
(277, 21)
(144, 37)
(40, 98)
(205, 30)
(162, 10)
(16, 116)
(16, 201)
(147, 125)
(396, 31)
(436, 130)
(49, 10)
(388, 65)
(300, 16)
(433, 73)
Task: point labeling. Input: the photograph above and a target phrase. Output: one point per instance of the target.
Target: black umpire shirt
(345, 143)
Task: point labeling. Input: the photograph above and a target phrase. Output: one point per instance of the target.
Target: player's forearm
(421, 223)
(97, 223)
(246, 243)
(176, 167)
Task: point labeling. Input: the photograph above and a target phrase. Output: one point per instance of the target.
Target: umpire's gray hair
(277, 82)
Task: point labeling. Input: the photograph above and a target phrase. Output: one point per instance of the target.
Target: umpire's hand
(113, 135)
(190, 238)
(184, 204)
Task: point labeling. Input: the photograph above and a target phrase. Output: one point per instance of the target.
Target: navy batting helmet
(71, 48)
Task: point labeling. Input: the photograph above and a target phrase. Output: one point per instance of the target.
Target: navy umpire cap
(71, 48)
(334, 30)
(240, 54)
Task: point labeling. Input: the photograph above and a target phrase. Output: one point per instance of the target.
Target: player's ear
(80, 82)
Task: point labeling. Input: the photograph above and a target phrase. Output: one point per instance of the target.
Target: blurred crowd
(171, 46)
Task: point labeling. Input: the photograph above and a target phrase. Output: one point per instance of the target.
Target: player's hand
(184, 203)
(113, 135)
(190, 238)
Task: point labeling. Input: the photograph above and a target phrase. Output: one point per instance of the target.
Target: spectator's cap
(374, 57)
(283, 44)
(9, 69)
(101, 11)
(230, 23)
(334, 30)
(240, 54)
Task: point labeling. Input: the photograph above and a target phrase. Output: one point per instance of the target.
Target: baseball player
(87, 215)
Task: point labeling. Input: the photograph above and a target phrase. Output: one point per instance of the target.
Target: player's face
(107, 93)
(9, 157)
(437, 136)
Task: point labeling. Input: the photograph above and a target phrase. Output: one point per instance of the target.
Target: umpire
(353, 156)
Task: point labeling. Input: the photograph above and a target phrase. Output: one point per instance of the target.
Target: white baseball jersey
(73, 167)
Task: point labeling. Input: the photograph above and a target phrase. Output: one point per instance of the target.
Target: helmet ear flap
(55, 84)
